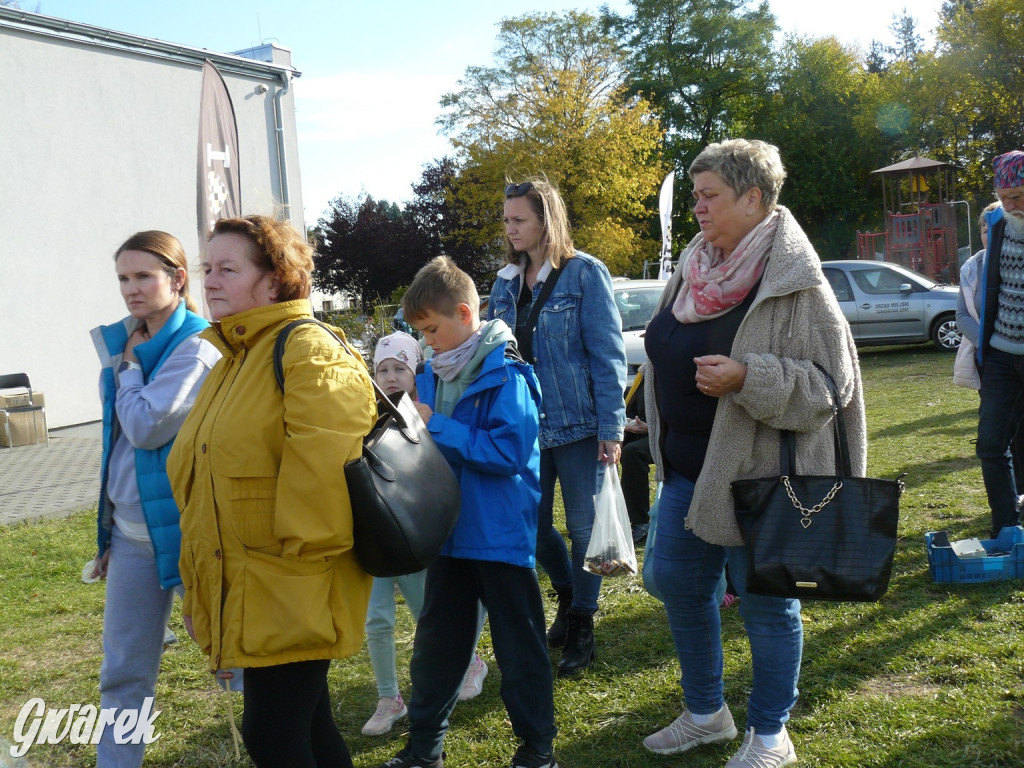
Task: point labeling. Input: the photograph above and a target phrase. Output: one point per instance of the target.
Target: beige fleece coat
(794, 322)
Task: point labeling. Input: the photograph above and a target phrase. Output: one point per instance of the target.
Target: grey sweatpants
(134, 619)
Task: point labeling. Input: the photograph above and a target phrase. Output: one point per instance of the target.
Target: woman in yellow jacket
(271, 582)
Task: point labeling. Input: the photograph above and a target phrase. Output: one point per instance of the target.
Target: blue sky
(373, 72)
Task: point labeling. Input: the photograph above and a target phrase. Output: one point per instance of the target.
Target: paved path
(39, 482)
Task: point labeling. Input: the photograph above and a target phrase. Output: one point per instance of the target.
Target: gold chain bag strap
(841, 547)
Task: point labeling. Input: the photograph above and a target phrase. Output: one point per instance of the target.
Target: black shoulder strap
(545, 291)
(842, 447)
(384, 403)
(512, 352)
(282, 339)
(787, 440)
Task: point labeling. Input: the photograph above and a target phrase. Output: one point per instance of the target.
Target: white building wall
(98, 141)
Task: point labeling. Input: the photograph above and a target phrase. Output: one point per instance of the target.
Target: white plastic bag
(610, 552)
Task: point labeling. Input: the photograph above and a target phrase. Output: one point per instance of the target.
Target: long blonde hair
(547, 203)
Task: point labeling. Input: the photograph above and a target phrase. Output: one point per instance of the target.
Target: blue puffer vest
(988, 283)
(158, 504)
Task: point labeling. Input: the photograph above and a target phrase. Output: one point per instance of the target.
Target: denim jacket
(578, 353)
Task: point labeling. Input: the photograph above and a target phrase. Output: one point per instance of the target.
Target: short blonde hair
(278, 248)
(744, 164)
(547, 203)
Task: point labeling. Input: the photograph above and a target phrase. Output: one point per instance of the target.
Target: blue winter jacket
(578, 351)
(158, 505)
(988, 282)
(490, 440)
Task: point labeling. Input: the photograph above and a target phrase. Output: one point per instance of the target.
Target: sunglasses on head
(518, 190)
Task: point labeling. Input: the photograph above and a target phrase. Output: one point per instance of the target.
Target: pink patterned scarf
(714, 284)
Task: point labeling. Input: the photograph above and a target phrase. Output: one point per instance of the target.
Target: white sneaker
(474, 682)
(683, 734)
(754, 754)
(389, 711)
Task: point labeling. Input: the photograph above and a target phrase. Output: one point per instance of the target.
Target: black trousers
(636, 464)
(999, 416)
(1017, 450)
(287, 721)
(445, 642)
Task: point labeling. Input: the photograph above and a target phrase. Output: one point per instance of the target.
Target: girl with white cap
(395, 360)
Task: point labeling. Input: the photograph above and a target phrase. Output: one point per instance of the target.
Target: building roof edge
(87, 34)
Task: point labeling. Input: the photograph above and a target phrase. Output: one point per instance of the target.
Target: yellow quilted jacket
(266, 552)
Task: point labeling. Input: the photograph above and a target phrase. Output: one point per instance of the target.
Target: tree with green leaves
(908, 42)
(906, 123)
(704, 64)
(368, 248)
(962, 102)
(448, 226)
(554, 103)
(818, 117)
(980, 76)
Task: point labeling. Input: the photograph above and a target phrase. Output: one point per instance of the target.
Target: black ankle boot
(556, 635)
(579, 650)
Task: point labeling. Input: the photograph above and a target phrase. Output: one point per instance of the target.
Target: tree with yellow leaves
(555, 104)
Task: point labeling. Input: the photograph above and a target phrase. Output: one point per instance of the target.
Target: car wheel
(945, 334)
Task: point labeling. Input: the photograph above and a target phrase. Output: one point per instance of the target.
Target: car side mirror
(905, 288)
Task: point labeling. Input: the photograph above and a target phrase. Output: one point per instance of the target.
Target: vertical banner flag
(219, 190)
(665, 208)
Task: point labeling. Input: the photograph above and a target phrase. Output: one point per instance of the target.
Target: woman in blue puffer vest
(153, 364)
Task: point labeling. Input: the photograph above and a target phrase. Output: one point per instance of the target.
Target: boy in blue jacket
(479, 401)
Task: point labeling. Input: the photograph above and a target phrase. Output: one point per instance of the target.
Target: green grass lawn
(932, 675)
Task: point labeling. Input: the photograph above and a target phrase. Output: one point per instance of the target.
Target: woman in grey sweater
(152, 366)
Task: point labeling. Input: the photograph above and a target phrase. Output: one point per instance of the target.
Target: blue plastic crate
(1005, 561)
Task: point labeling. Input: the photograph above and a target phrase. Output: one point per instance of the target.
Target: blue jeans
(1002, 381)
(688, 570)
(579, 474)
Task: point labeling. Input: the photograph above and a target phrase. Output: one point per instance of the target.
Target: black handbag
(818, 537)
(405, 496)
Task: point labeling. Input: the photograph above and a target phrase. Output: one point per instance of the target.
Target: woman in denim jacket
(576, 349)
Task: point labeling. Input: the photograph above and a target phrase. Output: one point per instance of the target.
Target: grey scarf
(448, 365)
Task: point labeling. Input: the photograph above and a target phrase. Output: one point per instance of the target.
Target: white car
(636, 300)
